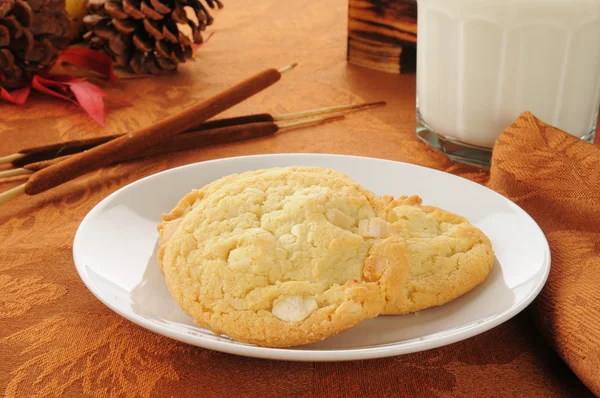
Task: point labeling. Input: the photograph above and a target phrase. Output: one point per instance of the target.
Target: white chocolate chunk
(294, 308)
(169, 230)
(373, 228)
(287, 240)
(374, 268)
(298, 230)
(377, 228)
(239, 259)
(354, 307)
(339, 218)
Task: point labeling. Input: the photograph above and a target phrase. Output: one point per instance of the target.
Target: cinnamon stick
(46, 152)
(51, 151)
(189, 140)
(129, 144)
(204, 138)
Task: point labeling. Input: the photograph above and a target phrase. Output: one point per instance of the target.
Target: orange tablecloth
(56, 339)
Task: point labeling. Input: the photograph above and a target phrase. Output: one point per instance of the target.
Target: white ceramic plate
(115, 254)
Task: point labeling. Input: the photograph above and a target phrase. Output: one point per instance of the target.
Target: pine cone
(32, 33)
(147, 36)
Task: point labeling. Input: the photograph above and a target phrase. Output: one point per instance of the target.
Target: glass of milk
(481, 63)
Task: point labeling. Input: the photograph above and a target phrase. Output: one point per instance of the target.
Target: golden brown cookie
(448, 255)
(274, 257)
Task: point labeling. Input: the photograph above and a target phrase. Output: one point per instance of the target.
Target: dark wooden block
(382, 34)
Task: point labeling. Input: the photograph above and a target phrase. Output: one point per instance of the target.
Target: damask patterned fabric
(555, 177)
(58, 340)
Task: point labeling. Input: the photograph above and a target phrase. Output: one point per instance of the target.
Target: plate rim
(321, 355)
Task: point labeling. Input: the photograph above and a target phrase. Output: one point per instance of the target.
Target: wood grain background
(382, 34)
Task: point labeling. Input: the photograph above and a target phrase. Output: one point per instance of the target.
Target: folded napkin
(555, 177)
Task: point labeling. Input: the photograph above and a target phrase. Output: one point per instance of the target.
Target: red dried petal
(90, 98)
(17, 97)
(45, 85)
(86, 58)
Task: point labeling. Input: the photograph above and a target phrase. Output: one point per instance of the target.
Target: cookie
(448, 256)
(274, 257)
(170, 221)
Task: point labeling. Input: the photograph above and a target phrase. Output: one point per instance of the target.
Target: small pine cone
(147, 36)
(32, 33)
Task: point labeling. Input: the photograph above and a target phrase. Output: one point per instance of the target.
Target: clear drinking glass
(481, 63)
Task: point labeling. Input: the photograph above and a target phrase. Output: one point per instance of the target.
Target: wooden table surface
(61, 341)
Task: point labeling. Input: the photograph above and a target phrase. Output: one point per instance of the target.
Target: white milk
(483, 62)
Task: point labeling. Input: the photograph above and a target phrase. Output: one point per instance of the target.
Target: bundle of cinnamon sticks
(51, 165)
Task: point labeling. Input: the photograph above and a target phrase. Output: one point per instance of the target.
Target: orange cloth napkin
(555, 177)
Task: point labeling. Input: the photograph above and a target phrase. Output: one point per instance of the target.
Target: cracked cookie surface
(275, 257)
(448, 255)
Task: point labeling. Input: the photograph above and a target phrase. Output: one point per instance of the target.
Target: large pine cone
(31, 35)
(147, 36)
